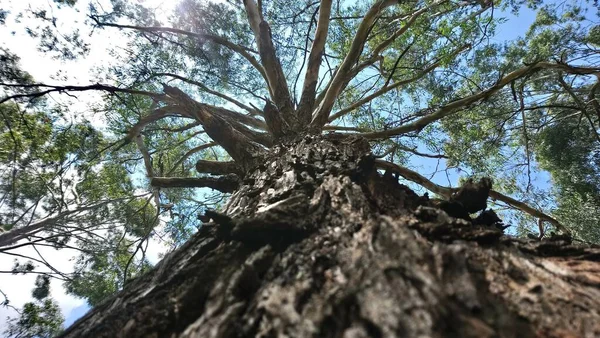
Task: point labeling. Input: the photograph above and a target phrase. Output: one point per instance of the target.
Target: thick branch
(315, 57)
(278, 87)
(465, 102)
(210, 91)
(322, 112)
(226, 184)
(235, 116)
(239, 146)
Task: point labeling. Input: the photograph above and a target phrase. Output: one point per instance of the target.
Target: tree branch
(243, 51)
(220, 128)
(226, 184)
(53, 89)
(322, 112)
(391, 87)
(447, 192)
(465, 102)
(210, 91)
(315, 57)
(526, 208)
(278, 87)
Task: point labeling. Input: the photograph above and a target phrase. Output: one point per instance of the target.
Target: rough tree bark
(316, 242)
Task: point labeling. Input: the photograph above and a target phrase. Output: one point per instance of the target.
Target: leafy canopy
(194, 97)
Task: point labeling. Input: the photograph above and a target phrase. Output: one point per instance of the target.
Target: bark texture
(317, 243)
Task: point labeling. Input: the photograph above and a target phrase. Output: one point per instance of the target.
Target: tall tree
(305, 113)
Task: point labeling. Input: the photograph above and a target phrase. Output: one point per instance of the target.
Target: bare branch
(526, 208)
(227, 184)
(322, 112)
(415, 177)
(278, 87)
(447, 192)
(188, 154)
(315, 57)
(64, 89)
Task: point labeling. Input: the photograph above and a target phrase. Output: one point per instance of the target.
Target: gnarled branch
(447, 192)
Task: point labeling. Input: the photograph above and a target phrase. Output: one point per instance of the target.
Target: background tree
(296, 109)
(40, 318)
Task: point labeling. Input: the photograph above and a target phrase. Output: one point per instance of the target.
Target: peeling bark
(317, 243)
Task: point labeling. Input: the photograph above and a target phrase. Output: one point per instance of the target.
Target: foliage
(194, 86)
(40, 318)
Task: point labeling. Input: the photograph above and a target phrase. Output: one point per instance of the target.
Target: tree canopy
(194, 97)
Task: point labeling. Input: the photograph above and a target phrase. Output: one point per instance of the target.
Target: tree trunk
(317, 243)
